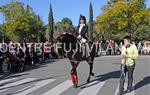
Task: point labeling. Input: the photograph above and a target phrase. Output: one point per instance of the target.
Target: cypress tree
(51, 25)
(90, 21)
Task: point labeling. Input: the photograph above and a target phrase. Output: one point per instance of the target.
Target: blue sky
(63, 8)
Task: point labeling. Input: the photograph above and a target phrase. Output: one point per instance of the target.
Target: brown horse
(70, 46)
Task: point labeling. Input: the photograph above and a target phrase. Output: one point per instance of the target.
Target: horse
(69, 41)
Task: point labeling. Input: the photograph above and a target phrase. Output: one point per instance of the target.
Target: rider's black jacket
(83, 32)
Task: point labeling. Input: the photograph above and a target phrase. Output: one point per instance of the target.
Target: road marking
(59, 89)
(14, 84)
(125, 86)
(6, 80)
(93, 89)
(33, 87)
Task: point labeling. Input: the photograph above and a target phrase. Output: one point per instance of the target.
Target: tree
(65, 25)
(21, 23)
(1, 32)
(41, 30)
(11, 10)
(121, 18)
(51, 24)
(1, 28)
(91, 21)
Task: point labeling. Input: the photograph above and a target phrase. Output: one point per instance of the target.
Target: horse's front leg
(91, 71)
(74, 76)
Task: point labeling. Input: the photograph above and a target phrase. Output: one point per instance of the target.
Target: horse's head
(66, 38)
(65, 41)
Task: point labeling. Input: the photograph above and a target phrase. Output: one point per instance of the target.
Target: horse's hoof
(88, 80)
(75, 86)
(92, 74)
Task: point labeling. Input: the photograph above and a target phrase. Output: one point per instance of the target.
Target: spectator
(1, 61)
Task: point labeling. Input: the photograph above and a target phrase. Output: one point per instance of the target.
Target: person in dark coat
(1, 60)
(82, 29)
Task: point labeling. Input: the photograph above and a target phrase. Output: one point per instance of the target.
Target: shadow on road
(16, 75)
(101, 78)
(12, 75)
(110, 75)
(145, 81)
(28, 68)
(26, 82)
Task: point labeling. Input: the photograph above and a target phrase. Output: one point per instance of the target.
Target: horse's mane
(66, 35)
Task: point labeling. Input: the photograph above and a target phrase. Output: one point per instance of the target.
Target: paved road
(53, 78)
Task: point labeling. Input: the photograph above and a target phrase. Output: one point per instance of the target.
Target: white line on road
(6, 80)
(33, 87)
(125, 86)
(93, 89)
(17, 83)
(60, 88)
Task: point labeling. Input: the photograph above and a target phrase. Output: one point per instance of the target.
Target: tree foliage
(120, 18)
(51, 24)
(65, 25)
(21, 23)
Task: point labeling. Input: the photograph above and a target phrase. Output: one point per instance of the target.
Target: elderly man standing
(129, 53)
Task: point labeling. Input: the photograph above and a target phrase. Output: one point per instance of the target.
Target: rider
(82, 29)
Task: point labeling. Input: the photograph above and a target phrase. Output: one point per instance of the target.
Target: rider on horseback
(82, 29)
(71, 44)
